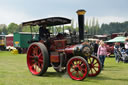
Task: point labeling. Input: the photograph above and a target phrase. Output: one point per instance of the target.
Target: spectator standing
(96, 45)
(126, 45)
(102, 53)
(116, 49)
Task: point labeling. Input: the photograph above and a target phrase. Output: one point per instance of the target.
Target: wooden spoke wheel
(94, 65)
(77, 68)
(37, 59)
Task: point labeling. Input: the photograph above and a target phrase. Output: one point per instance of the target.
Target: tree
(114, 27)
(86, 26)
(97, 27)
(12, 27)
(90, 27)
(72, 24)
(0, 31)
(3, 29)
(20, 28)
(93, 26)
(26, 29)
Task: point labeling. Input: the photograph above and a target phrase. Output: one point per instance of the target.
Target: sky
(105, 11)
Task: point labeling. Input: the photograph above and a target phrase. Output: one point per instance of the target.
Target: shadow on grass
(54, 74)
(107, 78)
(110, 66)
(88, 79)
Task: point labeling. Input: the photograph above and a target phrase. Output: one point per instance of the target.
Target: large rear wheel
(94, 65)
(77, 68)
(37, 58)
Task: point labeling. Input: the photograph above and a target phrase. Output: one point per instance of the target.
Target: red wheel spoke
(83, 69)
(79, 75)
(92, 61)
(75, 61)
(36, 67)
(94, 69)
(82, 64)
(78, 62)
(36, 51)
(73, 71)
(32, 61)
(40, 65)
(33, 65)
(40, 54)
(95, 63)
(76, 74)
(33, 47)
(73, 64)
(91, 71)
(40, 61)
(89, 60)
(31, 56)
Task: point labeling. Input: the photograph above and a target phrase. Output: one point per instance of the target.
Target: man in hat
(44, 33)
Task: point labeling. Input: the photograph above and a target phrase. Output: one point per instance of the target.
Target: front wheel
(77, 68)
(37, 58)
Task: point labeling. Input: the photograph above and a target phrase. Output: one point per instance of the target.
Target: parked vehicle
(2, 42)
(75, 58)
(9, 42)
(110, 49)
(21, 40)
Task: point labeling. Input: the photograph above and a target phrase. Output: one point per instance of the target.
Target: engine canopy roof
(51, 21)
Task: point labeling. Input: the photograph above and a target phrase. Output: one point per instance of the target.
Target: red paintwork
(70, 49)
(35, 67)
(77, 69)
(9, 40)
(67, 50)
(54, 58)
(94, 65)
(110, 49)
(60, 44)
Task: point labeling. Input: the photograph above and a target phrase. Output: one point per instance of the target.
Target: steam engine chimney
(81, 24)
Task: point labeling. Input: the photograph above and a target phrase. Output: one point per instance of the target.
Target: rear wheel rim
(94, 65)
(35, 59)
(77, 69)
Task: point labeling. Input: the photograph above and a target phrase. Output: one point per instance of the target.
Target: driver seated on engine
(44, 33)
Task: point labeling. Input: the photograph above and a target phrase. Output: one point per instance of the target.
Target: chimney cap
(81, 12)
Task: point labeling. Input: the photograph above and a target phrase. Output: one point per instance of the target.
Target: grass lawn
(14, 71)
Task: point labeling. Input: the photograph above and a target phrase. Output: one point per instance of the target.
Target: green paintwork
(21, 39)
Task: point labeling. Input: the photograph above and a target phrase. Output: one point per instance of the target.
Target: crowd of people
(100, 50)
(120, 47)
